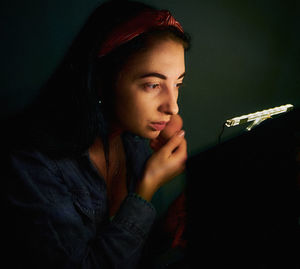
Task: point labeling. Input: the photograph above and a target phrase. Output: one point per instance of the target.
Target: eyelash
(179, 85)
(154, 86)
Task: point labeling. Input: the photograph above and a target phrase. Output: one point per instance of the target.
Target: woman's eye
(178, 85)
(152, 85)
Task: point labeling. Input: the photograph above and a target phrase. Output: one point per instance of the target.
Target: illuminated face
(147, 88)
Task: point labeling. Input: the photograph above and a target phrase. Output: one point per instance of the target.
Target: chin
(149, 134)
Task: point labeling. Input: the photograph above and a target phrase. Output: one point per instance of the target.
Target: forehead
(162, 56)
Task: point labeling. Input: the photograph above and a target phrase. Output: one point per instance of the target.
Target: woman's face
(147, 88)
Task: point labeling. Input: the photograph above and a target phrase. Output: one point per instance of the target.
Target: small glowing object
(258, 117)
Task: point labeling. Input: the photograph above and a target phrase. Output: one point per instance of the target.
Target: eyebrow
(158, 75)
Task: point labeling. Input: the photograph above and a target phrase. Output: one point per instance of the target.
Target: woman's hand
(173, 126)
(164, 164)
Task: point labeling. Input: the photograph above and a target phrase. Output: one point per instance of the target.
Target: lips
(158, 126)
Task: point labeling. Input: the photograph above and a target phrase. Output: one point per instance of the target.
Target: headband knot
(142, 23)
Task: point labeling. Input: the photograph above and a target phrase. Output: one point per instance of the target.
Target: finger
(155, 144)
(181, 168)
(162, 140)
(174, 125)
(180, 155)
(173, 143)
(181, 149)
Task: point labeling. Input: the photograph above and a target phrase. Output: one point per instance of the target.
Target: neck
(109, 164)
(114, 131)
(114, 136)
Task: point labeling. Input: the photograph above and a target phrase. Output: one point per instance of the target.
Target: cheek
(139, 101)
(132, 107)
(140, 110)
(135, 113)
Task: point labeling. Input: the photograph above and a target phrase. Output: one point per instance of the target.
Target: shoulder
(31, 160)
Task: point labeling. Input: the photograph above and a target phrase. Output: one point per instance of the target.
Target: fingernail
(181, 133)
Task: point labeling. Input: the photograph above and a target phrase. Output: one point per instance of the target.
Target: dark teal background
(245, 57)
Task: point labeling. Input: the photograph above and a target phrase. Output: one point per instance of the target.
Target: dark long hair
(66, 117)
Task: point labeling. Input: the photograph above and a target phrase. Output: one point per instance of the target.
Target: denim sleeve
(46, 230)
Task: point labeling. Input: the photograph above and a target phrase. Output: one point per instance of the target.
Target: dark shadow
(243, 199)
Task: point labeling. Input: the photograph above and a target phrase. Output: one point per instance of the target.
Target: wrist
(146, 189)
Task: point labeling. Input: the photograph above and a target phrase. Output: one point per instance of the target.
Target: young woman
(82, 178)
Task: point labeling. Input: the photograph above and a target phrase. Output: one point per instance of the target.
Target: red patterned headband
(140, 24)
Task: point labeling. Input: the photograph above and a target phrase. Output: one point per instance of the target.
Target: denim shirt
(57, 212)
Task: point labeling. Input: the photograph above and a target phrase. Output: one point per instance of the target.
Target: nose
(169, 104)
